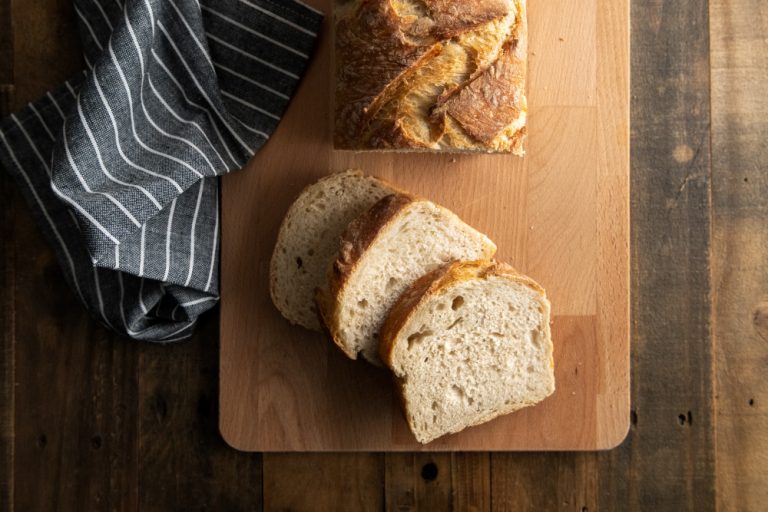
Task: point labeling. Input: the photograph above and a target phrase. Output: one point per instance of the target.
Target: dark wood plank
(185, 464)
(7, 359)
(6, 45)
(46, 46)
(323, 481)
(437, 481)
(7, 282)
(418, 481)
(552, 481)
(739, 248)
(669, 456)
(471, 480)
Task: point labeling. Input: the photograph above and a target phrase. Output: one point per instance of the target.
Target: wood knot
(683, 154)
(760, 319)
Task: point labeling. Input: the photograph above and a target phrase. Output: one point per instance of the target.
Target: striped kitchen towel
(120, 164)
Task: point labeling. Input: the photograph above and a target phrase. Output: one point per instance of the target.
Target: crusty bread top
(432, 283)
(496, 98)
(438, 75)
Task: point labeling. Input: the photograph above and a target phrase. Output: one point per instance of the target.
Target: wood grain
(471, 478)
(7, 274)
(544, 482)
(560, 215)
(739, 248)
(185, 465)
(7, 359)
(334, 481)
(668, 459)
(418, 481)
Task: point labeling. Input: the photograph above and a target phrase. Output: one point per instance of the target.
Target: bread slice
(308, 241)
(382, 253)
(467, 343)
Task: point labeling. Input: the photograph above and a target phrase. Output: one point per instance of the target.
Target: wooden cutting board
(560, 215)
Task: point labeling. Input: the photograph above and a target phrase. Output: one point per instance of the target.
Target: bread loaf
(431, 75)
(308, 241)
(382, 253)
(467, 343)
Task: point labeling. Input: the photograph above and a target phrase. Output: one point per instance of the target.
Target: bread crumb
(453, 160)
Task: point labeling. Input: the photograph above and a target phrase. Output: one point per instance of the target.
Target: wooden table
(89, 421)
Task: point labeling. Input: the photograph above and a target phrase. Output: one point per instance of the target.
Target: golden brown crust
(382, 44)
(434, 282)
(356, 239)
(364, 70)
(493, 100)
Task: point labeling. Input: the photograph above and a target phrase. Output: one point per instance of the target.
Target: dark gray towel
(120, 164)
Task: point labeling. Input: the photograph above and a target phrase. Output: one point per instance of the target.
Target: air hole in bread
(441, 307)
(455, 393)
(497, 335)
(530, 369)
(418, 337)
(299, 262)
(391, 283)
(362, 304)
(455, 323)
(311, 252)
(457, 302)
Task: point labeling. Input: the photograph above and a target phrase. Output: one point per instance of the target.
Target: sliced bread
(467, 343)
(308, 241)
(382, 253)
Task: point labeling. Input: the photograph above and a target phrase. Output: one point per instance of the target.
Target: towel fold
(120, 165)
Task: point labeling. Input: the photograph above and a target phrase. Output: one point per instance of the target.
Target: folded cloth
(120, 164)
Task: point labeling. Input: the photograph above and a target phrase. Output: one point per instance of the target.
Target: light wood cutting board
(560, 215)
